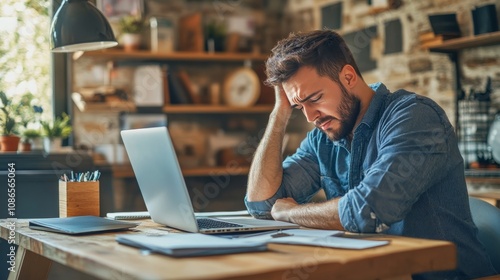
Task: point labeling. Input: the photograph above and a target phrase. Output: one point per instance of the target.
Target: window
(25, 56)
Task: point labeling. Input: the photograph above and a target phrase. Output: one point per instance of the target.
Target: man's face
(324, 102)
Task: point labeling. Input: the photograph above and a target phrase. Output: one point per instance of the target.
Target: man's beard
(349, 110)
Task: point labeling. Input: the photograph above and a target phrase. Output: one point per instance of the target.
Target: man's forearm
(266, 171)
(323, 215)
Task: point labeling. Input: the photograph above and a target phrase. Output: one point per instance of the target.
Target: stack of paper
(197, 244)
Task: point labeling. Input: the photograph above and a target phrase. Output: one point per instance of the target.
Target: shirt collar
(371, 116)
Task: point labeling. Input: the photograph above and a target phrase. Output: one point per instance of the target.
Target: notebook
(145, 214)
(164, 190)
(79, 225)
(191, 244)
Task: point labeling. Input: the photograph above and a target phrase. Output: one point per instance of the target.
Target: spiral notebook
(128, 215)
(145, 214)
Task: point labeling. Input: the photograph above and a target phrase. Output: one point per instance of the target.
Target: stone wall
(403, 65)
(412, 68)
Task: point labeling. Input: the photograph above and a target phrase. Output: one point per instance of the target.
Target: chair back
(487, 219)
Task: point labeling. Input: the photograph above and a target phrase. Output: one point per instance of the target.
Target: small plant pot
(131, 41)
(9, 143)
(37, 144)
(52, 145)
(25, 146)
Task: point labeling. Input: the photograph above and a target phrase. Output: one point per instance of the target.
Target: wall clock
(241, 88)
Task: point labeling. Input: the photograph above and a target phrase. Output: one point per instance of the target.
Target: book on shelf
(186, 83)
(166, 91)
(178, 94)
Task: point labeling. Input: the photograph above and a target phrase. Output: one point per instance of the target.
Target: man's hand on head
(282, 208)
(282, 100)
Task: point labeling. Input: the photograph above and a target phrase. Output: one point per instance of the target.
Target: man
(387, 162)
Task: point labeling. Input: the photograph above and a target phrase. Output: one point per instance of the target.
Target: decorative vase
(131, 41)
(52, 144)
(9, 143)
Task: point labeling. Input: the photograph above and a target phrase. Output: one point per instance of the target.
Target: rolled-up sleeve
(300, 180)
(412, 145)
(262, 209)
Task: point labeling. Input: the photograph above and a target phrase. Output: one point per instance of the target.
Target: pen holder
(78, 199)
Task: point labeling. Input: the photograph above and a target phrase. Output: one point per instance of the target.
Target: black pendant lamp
(79, 26)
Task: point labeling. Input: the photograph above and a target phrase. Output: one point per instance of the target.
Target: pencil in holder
(78, 199)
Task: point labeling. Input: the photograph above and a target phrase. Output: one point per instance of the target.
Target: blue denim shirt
(402, 174)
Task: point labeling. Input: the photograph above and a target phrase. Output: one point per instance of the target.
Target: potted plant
(215, 33)
(131, 28)
(54, 132)
(8, 124)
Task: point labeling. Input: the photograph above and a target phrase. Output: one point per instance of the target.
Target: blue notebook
(79, 225)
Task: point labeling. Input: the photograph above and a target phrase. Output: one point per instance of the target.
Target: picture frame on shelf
(191, 33)
(116, 9)
(163, 38)
(135, 121)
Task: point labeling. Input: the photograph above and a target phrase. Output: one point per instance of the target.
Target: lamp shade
(79, 26)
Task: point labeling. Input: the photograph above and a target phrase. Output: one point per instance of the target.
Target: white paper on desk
(330, 241)
(190, 244)
(315, 237)
(313, 232)
(267, 236)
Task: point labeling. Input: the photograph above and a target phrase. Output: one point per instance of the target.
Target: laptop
(164, 190)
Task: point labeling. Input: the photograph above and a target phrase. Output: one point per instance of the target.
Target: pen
(88, 176)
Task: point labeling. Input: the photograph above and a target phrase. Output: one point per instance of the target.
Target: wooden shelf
(174, 56)
(209, 171)
(377, 10)
(116, 106)
(125, 171)
(453, 45)
(212, 109)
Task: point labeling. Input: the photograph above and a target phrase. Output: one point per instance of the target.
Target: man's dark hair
(323, 50)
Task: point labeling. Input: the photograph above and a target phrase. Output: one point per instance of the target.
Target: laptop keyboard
(209, 223)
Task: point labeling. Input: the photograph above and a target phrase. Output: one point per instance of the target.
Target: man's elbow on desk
(259, 209)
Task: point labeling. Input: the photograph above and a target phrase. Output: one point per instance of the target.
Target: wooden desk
(101, 256)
